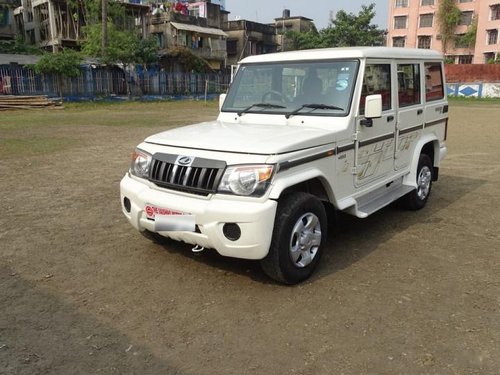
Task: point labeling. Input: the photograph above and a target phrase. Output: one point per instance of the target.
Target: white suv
(298, 133)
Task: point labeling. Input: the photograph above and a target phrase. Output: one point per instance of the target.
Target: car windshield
(293, 88)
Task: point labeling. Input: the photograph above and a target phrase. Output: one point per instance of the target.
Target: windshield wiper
(313, 107)
(260, 105)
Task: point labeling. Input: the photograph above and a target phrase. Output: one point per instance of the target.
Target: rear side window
(434, 88)
(377, 80)
(408, 84)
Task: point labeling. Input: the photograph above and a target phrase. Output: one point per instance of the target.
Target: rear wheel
(417, 199)
(300, 231)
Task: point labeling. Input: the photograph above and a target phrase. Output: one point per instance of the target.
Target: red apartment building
(414, 23)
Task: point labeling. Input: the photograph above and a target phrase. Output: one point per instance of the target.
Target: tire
(299, 216)
(417, 199)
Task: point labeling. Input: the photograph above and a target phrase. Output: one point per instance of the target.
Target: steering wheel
(267, 95)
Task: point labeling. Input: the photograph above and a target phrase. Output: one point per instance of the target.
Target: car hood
(243, 138)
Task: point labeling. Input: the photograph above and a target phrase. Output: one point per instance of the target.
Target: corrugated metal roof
(198, 29)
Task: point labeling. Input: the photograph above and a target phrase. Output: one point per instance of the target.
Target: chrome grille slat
(201, 177)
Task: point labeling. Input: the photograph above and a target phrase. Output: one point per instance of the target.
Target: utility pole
(104, 27)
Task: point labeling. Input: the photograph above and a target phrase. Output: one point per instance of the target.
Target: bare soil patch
(81, 292)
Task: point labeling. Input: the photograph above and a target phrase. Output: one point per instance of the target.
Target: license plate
(167, 220)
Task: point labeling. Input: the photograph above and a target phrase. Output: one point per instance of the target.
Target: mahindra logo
(185, 161)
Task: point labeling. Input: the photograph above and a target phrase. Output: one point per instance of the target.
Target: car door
(375, 151)
(410, 113)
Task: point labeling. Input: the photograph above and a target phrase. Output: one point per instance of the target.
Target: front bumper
(255, 218)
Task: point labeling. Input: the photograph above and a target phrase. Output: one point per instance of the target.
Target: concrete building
(50, 24)
(291, 23)
(246, 38)
(195, 27)
(414, 24)
(7, 26)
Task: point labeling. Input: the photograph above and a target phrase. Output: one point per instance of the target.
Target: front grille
(202, 176)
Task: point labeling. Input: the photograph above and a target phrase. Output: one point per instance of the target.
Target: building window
(466, 1)
(434, 89)
(492, 36)
(232, 47)
(427, 2)
(160, 40)
(495, 12)
(398, 41)
(424, 42)
(465, 59)
(401, 3)
(400, 22)
(426, 20)
(408, 84)
(489, 57)
(466, 18)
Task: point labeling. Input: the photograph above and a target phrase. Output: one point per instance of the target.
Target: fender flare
(411, 178)
(292, 179)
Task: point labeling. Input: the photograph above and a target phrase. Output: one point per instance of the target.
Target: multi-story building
(52, 24)
(193, 26)
(291, 23)
(7, 29)
(415, 24)
(246, 38)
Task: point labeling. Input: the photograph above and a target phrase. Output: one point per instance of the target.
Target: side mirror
(373, 106)
(222, 98)
(373, 109)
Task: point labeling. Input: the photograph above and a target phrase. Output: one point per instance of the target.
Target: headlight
(246, 180)
(141, 162)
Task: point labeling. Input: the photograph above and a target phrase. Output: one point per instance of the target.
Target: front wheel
(417, 199)
(300, 231)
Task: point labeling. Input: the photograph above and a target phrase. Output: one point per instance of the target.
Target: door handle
(420, 111)
(390, 118)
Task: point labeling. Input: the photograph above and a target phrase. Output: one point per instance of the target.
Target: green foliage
(65, 63)
(188, 60)
(448, 16)
(90, 10)
(146, 51)
(349, 29)
(449, 60)
(123, 46)
(469, 38)
(18, 46)
(345, 29)
(297, 41)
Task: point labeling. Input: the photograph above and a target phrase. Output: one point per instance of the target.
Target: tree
(344, 30)
(349, 29)
(64, 64)
(110, 39)
(448, 16)
(297, 41)
(18, 46)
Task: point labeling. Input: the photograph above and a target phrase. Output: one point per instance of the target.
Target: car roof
(346, 53)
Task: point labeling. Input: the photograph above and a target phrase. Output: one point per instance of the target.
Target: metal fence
(102, 82)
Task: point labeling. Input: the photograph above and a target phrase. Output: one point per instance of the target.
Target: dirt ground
(81, 292)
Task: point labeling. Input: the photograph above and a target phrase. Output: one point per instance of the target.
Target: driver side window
(377, 80)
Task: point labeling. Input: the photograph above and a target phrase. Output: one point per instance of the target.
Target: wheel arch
(428, 145)
(315, 184)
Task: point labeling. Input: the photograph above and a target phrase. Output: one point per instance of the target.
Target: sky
(265, 11)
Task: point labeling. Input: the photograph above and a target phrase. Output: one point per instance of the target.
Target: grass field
(25, 132)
